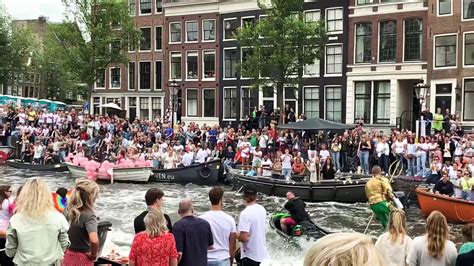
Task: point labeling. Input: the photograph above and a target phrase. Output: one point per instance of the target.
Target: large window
(468, 9)
(115, 77)
(413, 39)
(230, 103)
(388, 41)
(158, 78)
(191, 31)
(209, 102)
(445, 51)
(230, 28)
(158, 38)
(145, 42)
(145, 75)
(192, 65)
(334, 20)
(311, 102)
(175, 71)
(249, 101)
(468, 113)
(145, 7)
(444, 7)
(245, 54)
(100, 83)
(131, 76)
(333, 104)
(155, 107)
(312, 16)
(231, 60)
(363, 43)
(132, 7)
(175, 32)
(191, 102)
(334, 59)
(469, 49)
(209, 64)
(209, 30)
(144, 112)
(159, 6)
(362, 101)
(364, 2)
(382, 102)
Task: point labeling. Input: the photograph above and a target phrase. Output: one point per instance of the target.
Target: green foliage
(281, 44)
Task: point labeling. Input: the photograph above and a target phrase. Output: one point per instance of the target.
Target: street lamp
(421, 92)
(173, 86)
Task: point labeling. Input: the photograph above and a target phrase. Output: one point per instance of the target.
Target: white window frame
(242, 116)
(223, 28)
(170, 61)
(197, 61)
(260, 17)
(241, 60)
(210, 51)
(223, 62)
(326, 20)
(325, 60)
(404, 37)
(140, 9)
(319, 69)
(378, 41)
(110, 78)
(295, 87)
(445, 15)
(325, 101)
(355, 43)
(223, 103)
(135, 11)
(186, 31)
(155, 77)
(105, 82)
(434, 50)
(464, 49)
(202, 30)
(197, 102)
(169, 30)
(159, 50)
(304, 98)
(154, 5)
(202, 101)
(311, 11)
(261, 98)
(462, 12)
(244, 17)
(151, 42)
(151, 73)
(453, 98)
(128, 74)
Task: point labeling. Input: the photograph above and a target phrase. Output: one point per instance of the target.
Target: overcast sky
(32, 9)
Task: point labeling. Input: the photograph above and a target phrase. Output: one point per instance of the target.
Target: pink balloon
(141, 159)
(67, 159)
(76, 163)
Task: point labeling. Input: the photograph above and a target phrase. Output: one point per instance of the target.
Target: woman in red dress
(155, 246)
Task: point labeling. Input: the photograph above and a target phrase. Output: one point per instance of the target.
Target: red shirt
(153, 251)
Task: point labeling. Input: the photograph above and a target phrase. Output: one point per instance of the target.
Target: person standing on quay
(154, 200)
(252, 229)
(193, 236)
(223, 231)
(379, 191)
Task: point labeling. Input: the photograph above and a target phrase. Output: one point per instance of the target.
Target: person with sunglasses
(466, 183)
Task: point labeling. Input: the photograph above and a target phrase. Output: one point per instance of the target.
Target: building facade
(451, 60)
(386, 58)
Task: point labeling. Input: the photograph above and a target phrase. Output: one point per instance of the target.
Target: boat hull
(80, 172)
(133, 174)
(37, 167)
(199, 174)
(454, 209)
(326, 190)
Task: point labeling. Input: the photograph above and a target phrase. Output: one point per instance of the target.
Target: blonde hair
(344, 249)
(35, 199)
(155, 223)
(437, 232)
(83, 197)
(397, 226)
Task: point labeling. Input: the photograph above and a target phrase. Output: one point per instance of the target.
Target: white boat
(134, 174)
(80, 172)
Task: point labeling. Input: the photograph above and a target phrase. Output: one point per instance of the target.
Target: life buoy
(3, 156)
(205, 172)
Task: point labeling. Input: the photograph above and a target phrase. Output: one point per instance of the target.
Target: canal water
(120, 203)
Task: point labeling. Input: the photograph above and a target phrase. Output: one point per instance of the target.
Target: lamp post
(421, 92)
(173, 86)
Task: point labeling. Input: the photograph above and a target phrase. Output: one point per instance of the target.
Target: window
(382, 102)
(312, 69)
(192, 65)
(469, 49)
(95, 105)
(100, 83)
(388, 41)
(248, 22)
(333, 104)
(230, 28)
(145, 42)
(363, 43)
(131, 76)
(158, 78)
(363, 92)
(209, 64)
(132, 7)
(249, 101)
(116, 46)
(175, 72)
(230, 103)
(175, 32)
(144, 108)
(209, 30)
(231, 60)
(145, 7)
(191, 31)
(115, 77)
(312, 16)
(445, 51)
(192, 102)
(145, 75)
(159, 6)
(444, 7)
(155, 107)
(468, 9)
(413, 39)
(209, 103)
(468, 113)
(334, 59)
(158, 38)
(311, 102)
(245, 54)
(334, 20)
(364, 2)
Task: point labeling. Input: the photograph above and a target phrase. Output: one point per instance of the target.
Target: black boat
(15, 163)
(348, 190)
(200, 174)
(306, 229)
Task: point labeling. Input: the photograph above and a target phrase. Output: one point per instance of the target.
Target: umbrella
(315, 124)
(111, 105)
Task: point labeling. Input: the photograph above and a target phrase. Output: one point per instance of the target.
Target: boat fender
(205, 172)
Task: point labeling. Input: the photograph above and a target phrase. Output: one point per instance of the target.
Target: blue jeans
(286, 172)
(364, 160)
(411, 167)
(336, 158)
(344, 162)
(466, 195)
(225, 262)
(383, 163)
(421, 164)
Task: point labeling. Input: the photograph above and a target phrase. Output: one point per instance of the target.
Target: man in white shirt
(251, 233)
(266, 166)
(223, 230)
(201, 154)
(188, 158)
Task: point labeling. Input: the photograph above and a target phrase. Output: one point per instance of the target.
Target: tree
(96, 35)
(281, 44)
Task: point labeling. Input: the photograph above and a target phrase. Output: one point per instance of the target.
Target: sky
(32, 9)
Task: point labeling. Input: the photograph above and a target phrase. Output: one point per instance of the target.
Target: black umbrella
(315, 124)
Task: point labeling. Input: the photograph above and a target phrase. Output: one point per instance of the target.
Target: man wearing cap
(251, 229)
(379, 191)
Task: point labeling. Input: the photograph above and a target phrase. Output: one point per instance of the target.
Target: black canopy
(315, 124)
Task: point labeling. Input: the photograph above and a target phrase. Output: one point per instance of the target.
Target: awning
(315, 124)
